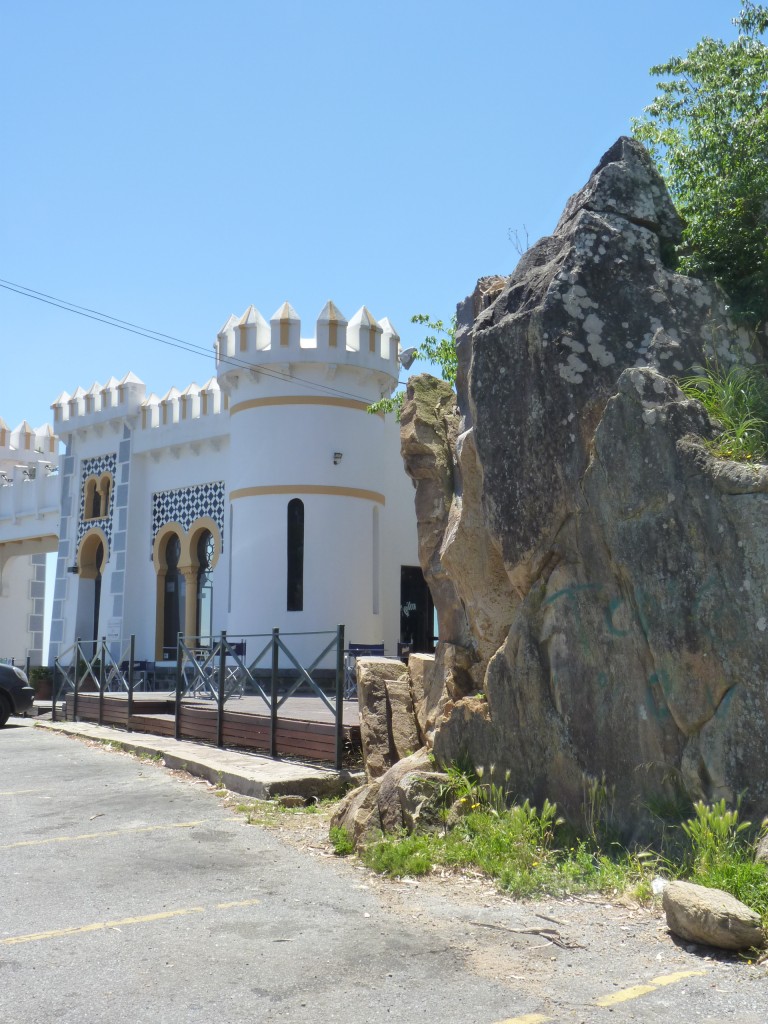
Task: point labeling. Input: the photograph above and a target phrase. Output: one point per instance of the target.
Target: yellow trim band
(337, 403)
(338, 492)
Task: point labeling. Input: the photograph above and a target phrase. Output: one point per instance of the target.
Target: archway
(171, 591)
(92, 556)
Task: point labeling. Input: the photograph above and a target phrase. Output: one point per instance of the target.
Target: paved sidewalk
(249, 774)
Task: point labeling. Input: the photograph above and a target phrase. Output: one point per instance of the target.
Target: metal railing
(221, 671)
(91, 663)
(218, 672)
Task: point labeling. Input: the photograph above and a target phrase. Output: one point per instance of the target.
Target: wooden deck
(305, 727)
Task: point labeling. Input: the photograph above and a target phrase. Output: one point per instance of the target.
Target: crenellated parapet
(251, 341)
(177, 407)
(250, 351)
(29, 481)
(26, 444)
(100, 402)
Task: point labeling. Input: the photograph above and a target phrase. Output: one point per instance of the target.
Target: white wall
(16, 607)
(166, 469)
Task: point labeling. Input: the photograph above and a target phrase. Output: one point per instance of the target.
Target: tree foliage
(438, 347)
(707, 130)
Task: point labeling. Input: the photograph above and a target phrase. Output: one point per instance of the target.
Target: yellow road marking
(19, 792)
(624, 995)
(635, 991)
(99, 835)
(670, 979)
(98, 926)
(527, 1018)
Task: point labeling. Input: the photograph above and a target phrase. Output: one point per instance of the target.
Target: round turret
(309, 465)
(361, 353)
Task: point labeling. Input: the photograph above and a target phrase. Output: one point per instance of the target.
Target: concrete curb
(248, 774)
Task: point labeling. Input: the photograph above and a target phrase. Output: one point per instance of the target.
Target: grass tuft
(521, 848)
(341, 841)
(738, 399)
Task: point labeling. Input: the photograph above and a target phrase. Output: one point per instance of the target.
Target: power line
(166, 339)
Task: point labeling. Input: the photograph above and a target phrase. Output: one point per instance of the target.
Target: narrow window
(295, 555)
(375, 561)
(229, 573)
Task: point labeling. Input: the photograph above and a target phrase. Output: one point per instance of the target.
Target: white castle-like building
(266, 497)
(29, 513)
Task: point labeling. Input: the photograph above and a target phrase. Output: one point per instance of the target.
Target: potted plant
(41, 681)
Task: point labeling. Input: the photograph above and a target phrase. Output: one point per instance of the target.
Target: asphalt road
(127, 893)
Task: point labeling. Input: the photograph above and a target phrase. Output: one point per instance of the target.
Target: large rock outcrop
(606, 573)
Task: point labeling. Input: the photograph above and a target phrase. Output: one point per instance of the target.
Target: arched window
(295, 555)
(96, 496)
(206, 547)
(105, 484)
(173, 595)
(91, 500)
(184, 562)
(91, 560)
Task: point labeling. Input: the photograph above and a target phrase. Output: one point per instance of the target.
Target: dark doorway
(417, 611)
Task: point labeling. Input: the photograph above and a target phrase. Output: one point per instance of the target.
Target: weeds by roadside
(721, 855)
(341, 841)
(520, 849)
(534, 853)
(271, 813)
(531, 852)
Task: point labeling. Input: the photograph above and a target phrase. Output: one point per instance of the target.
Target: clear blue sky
(170, 163)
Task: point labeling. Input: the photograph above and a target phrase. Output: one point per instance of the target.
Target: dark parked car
(16, 695)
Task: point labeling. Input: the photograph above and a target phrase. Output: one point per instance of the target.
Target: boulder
(761, 852)
(421, 803)
(600, 572)
(388, 726)
(291, 800)
(711, 916)
(405, 797)
(421, 672)
(389, 797)
(358, 813)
